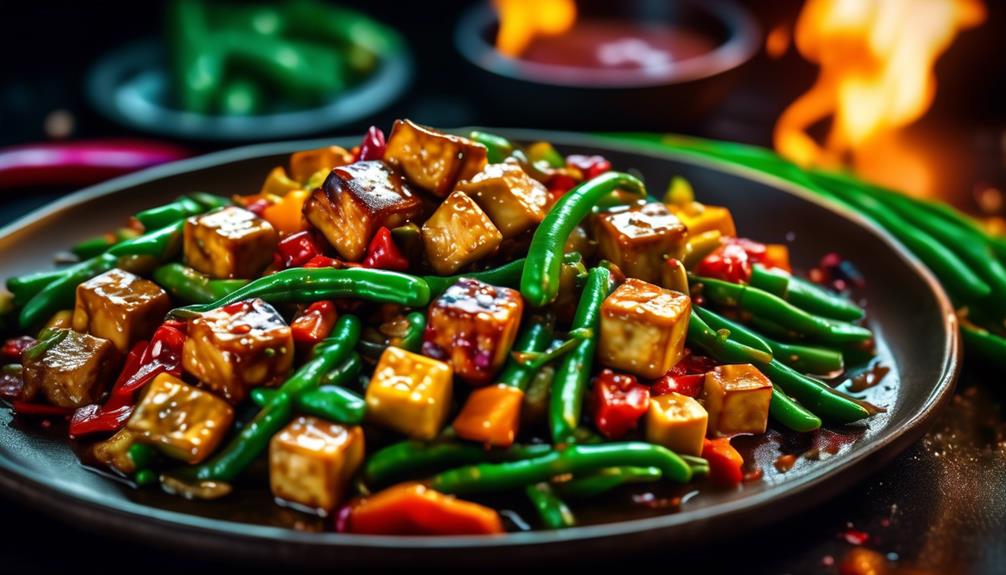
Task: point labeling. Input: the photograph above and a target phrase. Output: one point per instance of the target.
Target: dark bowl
(911, 316)
(550, 96)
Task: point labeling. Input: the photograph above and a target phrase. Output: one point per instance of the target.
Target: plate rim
(134, 519)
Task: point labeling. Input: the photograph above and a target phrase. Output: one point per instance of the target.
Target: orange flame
(876, 59)
(521, 20)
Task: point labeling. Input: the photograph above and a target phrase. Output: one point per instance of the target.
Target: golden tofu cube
(120, 307)
(643, 328)
(237, 347)
(432, 160)
(228, 243)
(312, 460)
(73, 372)
(737, 398)
(491, 415)
(699, 218)
(472, 327)
(677, 422)
(640, 240)
(114, 451)
(355, 201)
(306, 163)
(183, 421)
(409, 393)
(459, 233)
(514, 201)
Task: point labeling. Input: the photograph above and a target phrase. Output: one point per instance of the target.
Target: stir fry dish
(397, 335)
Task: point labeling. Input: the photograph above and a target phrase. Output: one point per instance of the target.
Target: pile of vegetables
(424, 320)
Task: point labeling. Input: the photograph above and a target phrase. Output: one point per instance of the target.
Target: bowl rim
(744, 37)
(219, 536)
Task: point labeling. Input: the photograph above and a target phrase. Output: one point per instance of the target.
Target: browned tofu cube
(120, 307)
(472, 327)
(459, 233)
(737, 399)
(677, 422)
(514, 201)
(312, 460)
(237, 347)
(643, 328)
(432, 160)
(229, 243)
(73, 371)
(183, 421)
(114, 451)
(307, 163)
(639, 240)
(355, 201)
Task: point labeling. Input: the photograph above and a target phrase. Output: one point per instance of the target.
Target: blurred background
(908, 93)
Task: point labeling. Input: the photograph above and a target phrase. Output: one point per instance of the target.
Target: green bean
(535, 337)
(498, 148)
(552, 511)
(61, 292)
(604, 480)
(506, 275)
(190, 286)
(327, 401)
(987, 345)
(157, 218)
(805, 295)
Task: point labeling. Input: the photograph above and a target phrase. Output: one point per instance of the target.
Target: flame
(521, 20)
(876, 61)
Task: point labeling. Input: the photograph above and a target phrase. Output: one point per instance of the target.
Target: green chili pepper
(161, 244)
(604, 480)
(191, 286)
(539, 282)
(412, 458)
(764, 304)
(157, 218)
(328, 401)
(574, 459)
(498, 148)
(254, 438)
(313, 284)
(552, 511)
(804, 295)
(413, 339)
(61, 292)
(535, 337)
(573, 371)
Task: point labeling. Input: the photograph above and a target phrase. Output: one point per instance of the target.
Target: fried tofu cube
(114, 451)
(181, 420)
(312, 460)
(228, 243)
(237, 347)
(699, 218)
(737, 398)
(643, 328)
(459, 233)
(677, 422)
(73, 371)
(307, 163)
(120, 307)
(514, 201)
(639, 240)
(432, 160)
(409, 393)
(355, 201)
(472, 327)
(491, 415)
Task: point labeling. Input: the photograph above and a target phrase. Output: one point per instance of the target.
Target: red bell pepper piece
(729, 262)
(591, 166)
(314, 323)
(382, 253)
(14, 347)
(414, 509)
(39, 409)
(725, 462)
(559, 184)
(322, 262)
(619, 403)
(690, 385)
(373, 145)
(297, 249)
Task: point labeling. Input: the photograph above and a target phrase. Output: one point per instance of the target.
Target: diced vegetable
(119, 307)
(414, 509)
(725, 463)
(239, 346)
(71, 369)
(312, 460)
(229, 243)
(619, 402)
(409, 393)
(355, 201)
(459, 233)
(287, 214)
(277, 183)
(638, 240)
(184, 422)
(491, 415)
(314, 323)
(432, 160)
(643, 328)
(737, 398)
(514, 201)
(305, 164)
(472, 327)
(700, 218)
(677, 422)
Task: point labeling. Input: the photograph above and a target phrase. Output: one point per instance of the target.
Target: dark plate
(911, 316)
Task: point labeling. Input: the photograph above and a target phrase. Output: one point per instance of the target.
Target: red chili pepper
(690, 385)
(297, 249)
(559, 184)
(14, 347)
(327, 262)
(39, 409)
(382, 253)
(373, 145)
(314, 323)
(727, 262)
(725, 462)
(591, 166)
(619, 403)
